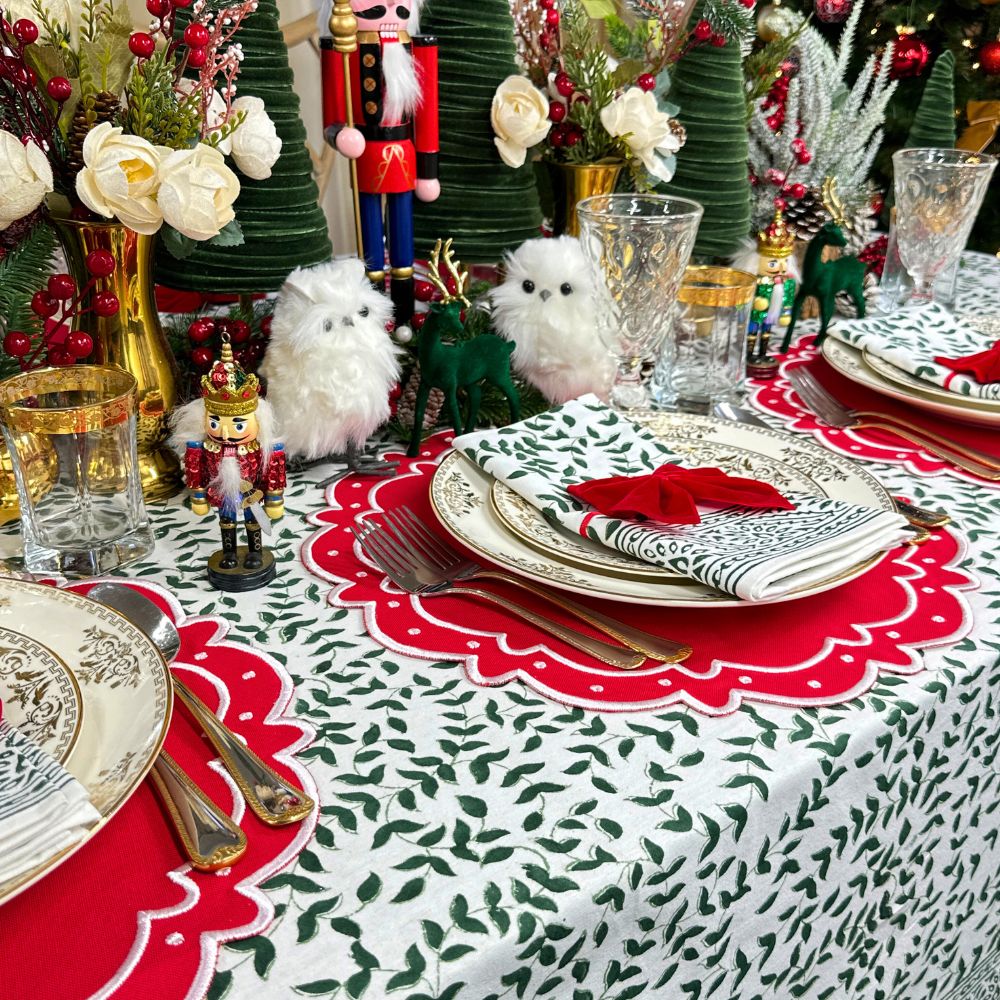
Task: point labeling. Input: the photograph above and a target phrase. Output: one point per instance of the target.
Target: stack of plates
(89, 688)
(882, 377)
(495, 522)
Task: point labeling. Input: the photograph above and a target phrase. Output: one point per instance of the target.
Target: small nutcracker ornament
(772, 304)
(380, 110)
(239, 469)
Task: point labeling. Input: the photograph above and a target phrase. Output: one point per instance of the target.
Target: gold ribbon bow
(984, 120)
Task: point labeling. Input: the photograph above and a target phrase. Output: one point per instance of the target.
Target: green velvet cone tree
(934, 122)
(712, 164)
(282, 223)
(485, 205)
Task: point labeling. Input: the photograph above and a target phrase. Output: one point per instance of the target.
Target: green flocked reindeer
(464, 364)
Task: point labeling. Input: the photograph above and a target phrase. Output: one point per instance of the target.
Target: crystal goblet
(639, 246)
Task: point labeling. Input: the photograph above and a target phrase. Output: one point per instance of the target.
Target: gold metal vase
(133, 339)
(572, 183)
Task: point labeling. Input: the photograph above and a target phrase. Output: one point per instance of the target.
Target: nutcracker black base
(240, 579)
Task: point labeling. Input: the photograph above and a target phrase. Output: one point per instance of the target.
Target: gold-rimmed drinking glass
(89, 518)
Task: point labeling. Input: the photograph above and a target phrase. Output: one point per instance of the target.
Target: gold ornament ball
(768, 27)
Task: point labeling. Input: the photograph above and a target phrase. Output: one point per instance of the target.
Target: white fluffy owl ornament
(330, 364)
(546, 307)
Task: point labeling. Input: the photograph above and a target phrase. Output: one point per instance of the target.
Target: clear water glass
(703, 359)
(88, 517)
(639, 246)
(938, 195)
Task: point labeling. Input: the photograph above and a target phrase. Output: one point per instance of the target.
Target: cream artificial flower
(25, 178)
(120, 178)
(520, 119)
(636, 118)
(256, 145)
(197, 191)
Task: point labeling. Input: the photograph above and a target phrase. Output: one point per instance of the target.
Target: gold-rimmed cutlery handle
(938, 450)
(626, 659)
(211, 840)
(273, 799)
(974, 454)
(921, 516)
(652, 646)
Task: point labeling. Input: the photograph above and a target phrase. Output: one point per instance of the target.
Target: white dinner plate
(460, 495)
(850, 362)
(126, 690)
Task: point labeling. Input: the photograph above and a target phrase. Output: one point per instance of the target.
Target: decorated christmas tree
(486, 206)
(283, 225)
(712, 164)
(934, 122)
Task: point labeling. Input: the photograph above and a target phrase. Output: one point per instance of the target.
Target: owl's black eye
(328, 326)
(566, 288)
(363, 312)
(528, 286)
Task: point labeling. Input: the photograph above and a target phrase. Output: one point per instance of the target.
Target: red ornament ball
(197, 58)
(989, 58)
(17, 344)
(59, 357)
(747, 3)
(25, 31)
(100, 263)
(573, 137)
(106, 304)
(141, 45)
(798, 191)
(182, 3)
(239, 331)
(158, 8)
(557, 137)
(702, 31)
(265, 323)
(196, 35)
(79, 344)
(201, 358)
(552, 18)
(42, 304)
(646, 82)
(910, 55)
(833, 11)
(423, 291)
(557, 111)
(418, 320)
(59, 89)
(564, 85)
(201, 331)
(62, 286)
(718, 40)
(547, 4)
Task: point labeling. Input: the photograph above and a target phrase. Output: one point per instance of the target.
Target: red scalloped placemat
(816, 651)
(778, 397)
(125, 917)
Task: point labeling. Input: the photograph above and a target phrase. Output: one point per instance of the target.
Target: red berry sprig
(205, 336)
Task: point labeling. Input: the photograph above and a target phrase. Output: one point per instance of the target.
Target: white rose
(25, 178)
(120, 178)
(636, 118)
(215, 113)
(197, 191)
(520, 119)
(256, 145)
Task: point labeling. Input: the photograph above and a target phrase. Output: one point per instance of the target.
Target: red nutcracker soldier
(239, 469)
(380, 110)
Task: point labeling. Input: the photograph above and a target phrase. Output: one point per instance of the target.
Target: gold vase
(39, 460)
(572, 183)
(132, 339)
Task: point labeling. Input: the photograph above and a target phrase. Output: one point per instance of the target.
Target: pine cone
(91, 111)
(406, 407)
(807, 215)
(845, 304)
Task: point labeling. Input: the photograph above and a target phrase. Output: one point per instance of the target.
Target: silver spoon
(273, 799)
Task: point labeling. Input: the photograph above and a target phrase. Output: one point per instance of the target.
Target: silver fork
(379, 546)
(832, 412)
(439, 560)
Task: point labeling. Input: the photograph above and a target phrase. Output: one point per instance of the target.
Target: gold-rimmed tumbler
(90, 517)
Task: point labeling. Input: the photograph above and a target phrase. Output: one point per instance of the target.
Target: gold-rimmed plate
(460, 497)
(907, 380)
(126, 690)
(40, 695)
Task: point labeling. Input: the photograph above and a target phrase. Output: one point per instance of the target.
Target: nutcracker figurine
(239, 469)
(380, 110)
(772, 305)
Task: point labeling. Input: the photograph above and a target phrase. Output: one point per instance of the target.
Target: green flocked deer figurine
(462, 364)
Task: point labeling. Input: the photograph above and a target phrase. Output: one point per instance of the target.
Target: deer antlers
(461, 278)
(832, 201)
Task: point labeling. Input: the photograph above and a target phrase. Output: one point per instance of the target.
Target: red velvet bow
(983, 367)
(670, 494)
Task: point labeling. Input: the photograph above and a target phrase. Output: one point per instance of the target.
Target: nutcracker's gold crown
(227, 389)
(777, 240)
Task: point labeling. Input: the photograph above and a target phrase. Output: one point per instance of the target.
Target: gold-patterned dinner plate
(461, 492)
(125, 687)
(929, 389)
(40, 695)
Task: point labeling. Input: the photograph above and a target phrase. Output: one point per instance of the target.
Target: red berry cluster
(142, 44)
(56, 306)
(873, 255)
(549, 35)
(777, 96)
(205, 335)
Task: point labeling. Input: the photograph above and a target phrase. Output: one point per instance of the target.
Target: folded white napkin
(754, 554)
(43, 808)
(912, 338)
